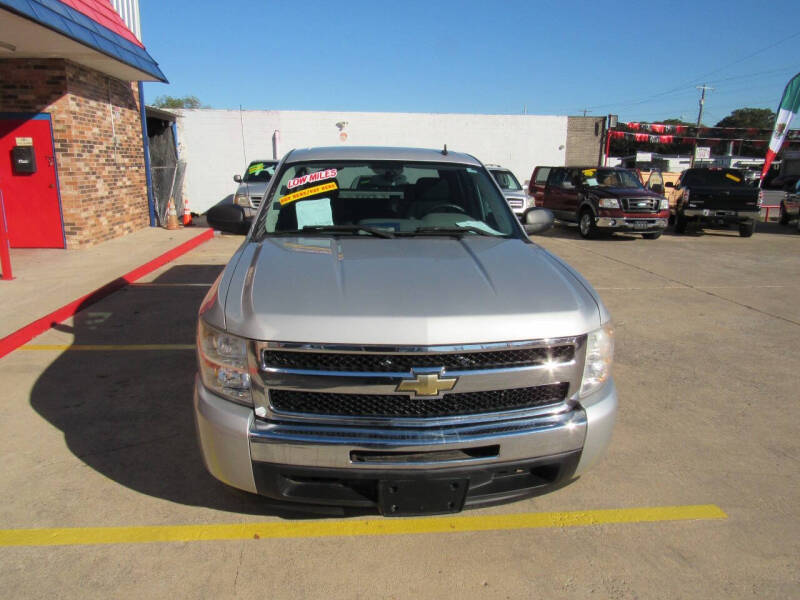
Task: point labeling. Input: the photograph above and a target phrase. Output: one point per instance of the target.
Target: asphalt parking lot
(701, 480)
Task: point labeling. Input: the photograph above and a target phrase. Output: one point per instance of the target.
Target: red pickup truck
(600, 199)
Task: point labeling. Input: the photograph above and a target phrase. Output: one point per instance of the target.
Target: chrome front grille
(361, 386)
(393, 363)
(643, 205)
(255, 201)
(516, 202)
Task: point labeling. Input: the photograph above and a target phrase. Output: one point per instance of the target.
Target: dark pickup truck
(600, 199)
(716, 198)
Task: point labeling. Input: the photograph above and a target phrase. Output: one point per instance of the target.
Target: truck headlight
(222, 359)
(663, 204)
(608, 203)
(241, 200)
(599, 356)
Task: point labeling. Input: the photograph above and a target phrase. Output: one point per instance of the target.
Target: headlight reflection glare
(223, 363)
(599, 356)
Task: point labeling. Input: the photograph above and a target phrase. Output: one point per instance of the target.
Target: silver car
(517, 198)
(253, 185)
(369, 345)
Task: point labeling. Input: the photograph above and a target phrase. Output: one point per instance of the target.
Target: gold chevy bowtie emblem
(427, 384)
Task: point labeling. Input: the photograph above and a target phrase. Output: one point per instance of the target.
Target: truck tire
(680, 223)
(652, 236)
(586, 226)
(784, 220)
(747, 229)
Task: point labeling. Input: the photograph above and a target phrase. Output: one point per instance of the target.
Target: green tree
(760, 118)
(756, 118)
(172, 102)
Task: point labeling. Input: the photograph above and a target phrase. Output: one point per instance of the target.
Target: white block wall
(216, 144)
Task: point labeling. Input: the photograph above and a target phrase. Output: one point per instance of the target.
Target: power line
(759, 74)
(752, 54)
(693, 82)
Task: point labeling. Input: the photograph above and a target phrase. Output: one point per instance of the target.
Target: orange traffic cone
(172, 216)
(187, 216)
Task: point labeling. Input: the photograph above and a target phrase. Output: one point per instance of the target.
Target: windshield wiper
(337, 229)
(455, 231)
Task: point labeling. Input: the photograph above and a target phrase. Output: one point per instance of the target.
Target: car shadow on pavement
(770, 228)
(570, 232)
(777, 229)
(128, 414)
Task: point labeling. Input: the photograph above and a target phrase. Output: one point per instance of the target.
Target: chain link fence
(168, 183)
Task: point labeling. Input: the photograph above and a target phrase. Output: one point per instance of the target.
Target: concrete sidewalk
(47, 279)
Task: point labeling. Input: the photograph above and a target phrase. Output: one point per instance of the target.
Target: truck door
(655, 183)
(538, 184)
(29, 184)
(554, 193)
(571, 192)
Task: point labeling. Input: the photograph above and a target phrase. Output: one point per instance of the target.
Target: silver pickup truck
(388, 338)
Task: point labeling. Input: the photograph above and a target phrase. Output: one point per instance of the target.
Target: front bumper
(636, 224)
(343, 466)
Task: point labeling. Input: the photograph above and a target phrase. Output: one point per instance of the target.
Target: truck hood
(252, 188)
(405, 291)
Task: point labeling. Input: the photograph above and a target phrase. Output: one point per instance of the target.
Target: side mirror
(237, 178)
(228, 218)
(669, 184)
(538, 220)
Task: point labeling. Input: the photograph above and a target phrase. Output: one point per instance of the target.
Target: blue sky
(639, 60)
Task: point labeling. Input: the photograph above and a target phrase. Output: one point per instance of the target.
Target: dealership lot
(96, 431)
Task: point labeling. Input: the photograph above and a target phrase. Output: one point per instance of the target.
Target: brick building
(585, 137)
(73, 166)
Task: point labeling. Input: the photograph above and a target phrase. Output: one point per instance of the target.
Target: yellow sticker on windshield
(733, 177)
(255, 169)
(589, 172)
(313, 191)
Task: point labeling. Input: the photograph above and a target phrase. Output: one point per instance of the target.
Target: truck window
(560, 178)
(541, 175)
(715, 178)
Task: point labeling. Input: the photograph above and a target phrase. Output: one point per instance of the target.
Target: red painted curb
(14, 340)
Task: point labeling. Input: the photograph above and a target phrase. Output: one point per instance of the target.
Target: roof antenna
(445, 150)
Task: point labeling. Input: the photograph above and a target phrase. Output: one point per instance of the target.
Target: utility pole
(586, 110)
(703, 89)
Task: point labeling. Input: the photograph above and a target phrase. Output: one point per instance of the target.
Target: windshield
(506, 180)
(715, 178)
(613, 178)
(259, 171)
(398, 198)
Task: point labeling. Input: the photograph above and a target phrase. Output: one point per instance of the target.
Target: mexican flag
(790, 103)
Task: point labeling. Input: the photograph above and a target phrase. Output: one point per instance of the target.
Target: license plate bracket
(404, 497)
(640, 225)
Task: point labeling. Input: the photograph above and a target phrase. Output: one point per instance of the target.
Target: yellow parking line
(106, 347)
(347, 527)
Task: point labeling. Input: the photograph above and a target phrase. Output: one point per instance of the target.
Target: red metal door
(33, 208)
